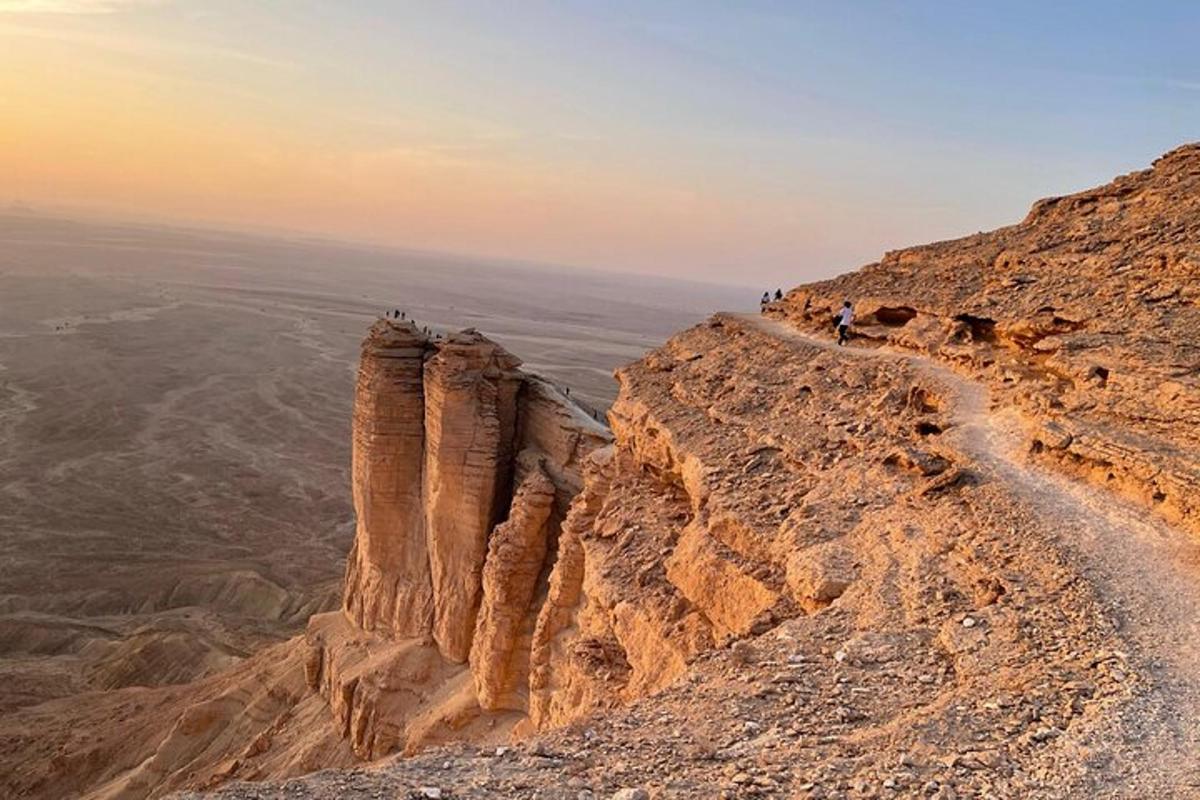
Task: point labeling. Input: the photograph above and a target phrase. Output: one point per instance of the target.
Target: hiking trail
(1146, 575)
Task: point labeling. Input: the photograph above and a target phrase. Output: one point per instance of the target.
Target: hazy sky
(734, 141)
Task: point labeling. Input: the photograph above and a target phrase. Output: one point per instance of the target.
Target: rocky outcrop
(1077, 315)
(464, 467)
(762, 488)
(516, 558)
(470, 423)
(388, 586)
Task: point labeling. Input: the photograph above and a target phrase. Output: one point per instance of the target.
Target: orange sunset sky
(719, 141)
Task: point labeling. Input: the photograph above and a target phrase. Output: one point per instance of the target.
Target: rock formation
(388, 586)
(463, 470)
(515, 561)
(791, 569)
(470, 422)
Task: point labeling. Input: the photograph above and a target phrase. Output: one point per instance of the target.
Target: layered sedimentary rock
(388, 586)
(859, 516)
(463, 470)
(470, 421)
(515, 561)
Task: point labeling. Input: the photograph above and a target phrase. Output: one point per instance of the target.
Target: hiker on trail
(844, 318)
(403, 314)
(779, 294)
(762, 304)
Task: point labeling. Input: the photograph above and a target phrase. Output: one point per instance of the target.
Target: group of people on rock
(397, 314)
(842, 321)
(766, 299)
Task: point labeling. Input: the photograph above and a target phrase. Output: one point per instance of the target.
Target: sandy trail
(1145, 572)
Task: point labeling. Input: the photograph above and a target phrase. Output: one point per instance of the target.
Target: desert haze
(174, 465)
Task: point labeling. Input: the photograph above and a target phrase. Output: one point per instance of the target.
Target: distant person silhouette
(845, 318)
(779, 294)
(762, 304)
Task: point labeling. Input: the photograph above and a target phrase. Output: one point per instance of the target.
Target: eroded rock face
(388, 586)
(464, 467)
(516, 558)
(470, 421)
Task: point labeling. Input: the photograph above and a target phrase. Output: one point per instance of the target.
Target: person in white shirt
(844, 318)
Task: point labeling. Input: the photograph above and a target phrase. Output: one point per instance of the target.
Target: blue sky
(773, 142)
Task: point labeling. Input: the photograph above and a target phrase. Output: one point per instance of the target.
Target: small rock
(1042, 734)
(968, 622)
(431, 792)
(631, 794)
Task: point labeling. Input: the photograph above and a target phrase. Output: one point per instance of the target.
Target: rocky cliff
(788, 568)
(463, 468)
(872, 571)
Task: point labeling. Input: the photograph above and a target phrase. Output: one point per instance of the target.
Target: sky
(738, 142)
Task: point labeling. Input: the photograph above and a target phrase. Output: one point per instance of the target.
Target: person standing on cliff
(779, 294)
(844, 318)
(762, 304)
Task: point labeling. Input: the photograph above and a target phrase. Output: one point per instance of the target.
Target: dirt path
(1146, 573)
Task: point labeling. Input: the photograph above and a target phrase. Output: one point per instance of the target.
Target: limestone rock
(470, 423)
(387, 585)
(516, 553)
(1075, 316)
(443, 432)
(820, 574)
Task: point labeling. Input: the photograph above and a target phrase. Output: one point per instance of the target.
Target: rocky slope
(799, 573)
(805, 571)
(1084, 314)
(791, 570)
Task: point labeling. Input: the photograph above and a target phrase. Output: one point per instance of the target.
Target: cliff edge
(955, 558)
(464, 468)
(952, 559)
